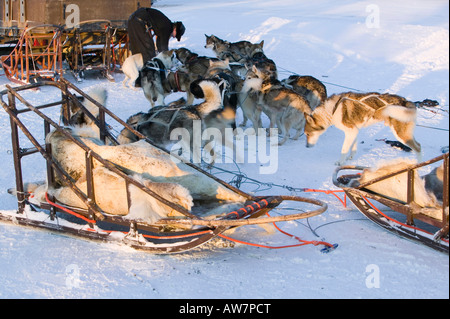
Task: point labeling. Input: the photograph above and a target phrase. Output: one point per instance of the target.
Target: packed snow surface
(399, 47)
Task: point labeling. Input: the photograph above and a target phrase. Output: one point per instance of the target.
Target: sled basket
(426, 225)
(167, 235)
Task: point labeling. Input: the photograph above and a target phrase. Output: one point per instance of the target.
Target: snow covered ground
(396, 46)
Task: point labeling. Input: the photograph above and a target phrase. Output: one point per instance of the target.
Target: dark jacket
(139, 25)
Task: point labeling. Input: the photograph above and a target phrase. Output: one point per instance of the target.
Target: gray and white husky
(235, 51)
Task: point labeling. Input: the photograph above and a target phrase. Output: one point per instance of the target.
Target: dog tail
(301, 104)
(100, 95)
(401, 113)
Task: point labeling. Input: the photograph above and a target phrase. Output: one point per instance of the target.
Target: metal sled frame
(41, 49)
(93, 40)
(37, 54)
(153, 238)
(360, 198)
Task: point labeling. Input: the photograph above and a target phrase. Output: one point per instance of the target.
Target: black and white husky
(159, 123)
(154, 74)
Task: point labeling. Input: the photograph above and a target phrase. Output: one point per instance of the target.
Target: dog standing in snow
(350, 112)
(131, 68)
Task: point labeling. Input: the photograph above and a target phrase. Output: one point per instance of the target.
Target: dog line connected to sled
(167, 235)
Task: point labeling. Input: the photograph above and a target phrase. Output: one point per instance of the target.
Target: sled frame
(359, 196)
(93, 39)
(37, 54)
(41, 50)
(157, 238)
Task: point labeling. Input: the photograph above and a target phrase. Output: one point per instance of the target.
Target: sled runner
(184, 231)
(424, 223)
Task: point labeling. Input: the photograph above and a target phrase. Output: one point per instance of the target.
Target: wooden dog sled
(168, 235)
(425, 225)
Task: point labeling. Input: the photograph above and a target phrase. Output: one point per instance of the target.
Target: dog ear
(309, 119)
(261, 44)
(196, 90)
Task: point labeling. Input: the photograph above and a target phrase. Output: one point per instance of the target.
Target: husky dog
(221, 70)
(178, 81)
(185, 55)
(248, 99)
(246, 48)
(284, 107)
(131, 68)
(434, 182)
(266, 67)
(234, 51)
(310, 87)
(153, 75)
(212, 41)
(79, 118)
(350, 112)
(201, 65)
(159, 122)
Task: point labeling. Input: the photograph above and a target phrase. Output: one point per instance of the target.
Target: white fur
(396, 187)
(131, 67)
(213, 98)
(400, 113)
(248, 101)
(139, 158)
(111, 196)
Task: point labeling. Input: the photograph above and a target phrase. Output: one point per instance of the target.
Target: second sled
(425, 225)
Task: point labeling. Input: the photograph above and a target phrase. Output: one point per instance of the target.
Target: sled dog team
(240, 76)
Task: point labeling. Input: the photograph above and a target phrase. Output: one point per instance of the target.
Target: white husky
(131, 67)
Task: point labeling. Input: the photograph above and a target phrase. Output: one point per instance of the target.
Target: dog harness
(157, 65)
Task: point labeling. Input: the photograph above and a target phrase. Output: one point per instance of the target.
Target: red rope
(68, 210)
(112, 231)
(302, 242)
(344, 201)
(249, 207)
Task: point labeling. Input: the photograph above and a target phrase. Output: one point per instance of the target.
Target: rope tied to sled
(235, 215)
